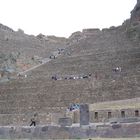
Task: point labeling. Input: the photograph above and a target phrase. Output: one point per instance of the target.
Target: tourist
(33, 120)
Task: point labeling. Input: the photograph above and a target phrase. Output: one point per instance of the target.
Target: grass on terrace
(114, 105)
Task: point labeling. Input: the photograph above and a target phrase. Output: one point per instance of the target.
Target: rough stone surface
(84, 114)
(65, 121)
(56, 132)
(135, 14)
(93, 52)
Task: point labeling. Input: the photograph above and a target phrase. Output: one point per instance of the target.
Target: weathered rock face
(3, 27)
(132, 25)
(26, 46)
(135, 14)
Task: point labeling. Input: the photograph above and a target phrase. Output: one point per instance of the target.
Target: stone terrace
(97, 54)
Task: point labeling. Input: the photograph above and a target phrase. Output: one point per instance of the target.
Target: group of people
(55, 77)
(59, 52)
(117, 69)
(22, 75)
(84, 76)
(73, 107)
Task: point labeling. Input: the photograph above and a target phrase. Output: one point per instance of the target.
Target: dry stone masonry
(108, 61)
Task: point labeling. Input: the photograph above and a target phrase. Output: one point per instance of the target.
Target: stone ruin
(110, 55)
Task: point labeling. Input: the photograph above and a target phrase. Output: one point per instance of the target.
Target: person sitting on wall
(54, 77)
(117, 69)
(52, 57)
(59, 51)
(85, 76)
(89, 74)
(71, 77)
(66, 78)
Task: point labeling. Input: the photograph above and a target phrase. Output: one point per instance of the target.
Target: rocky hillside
(94, 66)
(135, 14)
(132, 25)
(20, 51)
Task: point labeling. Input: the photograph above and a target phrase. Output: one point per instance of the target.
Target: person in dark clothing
(89, 74)
(54, 77)
(33, 120)
(85, 76)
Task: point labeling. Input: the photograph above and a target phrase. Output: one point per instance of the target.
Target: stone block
(115, 126)
(84, 114)
(2, 131)
(76, 116)
(55, 118)
(26, 130)
(65, 121)
(44, 129)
